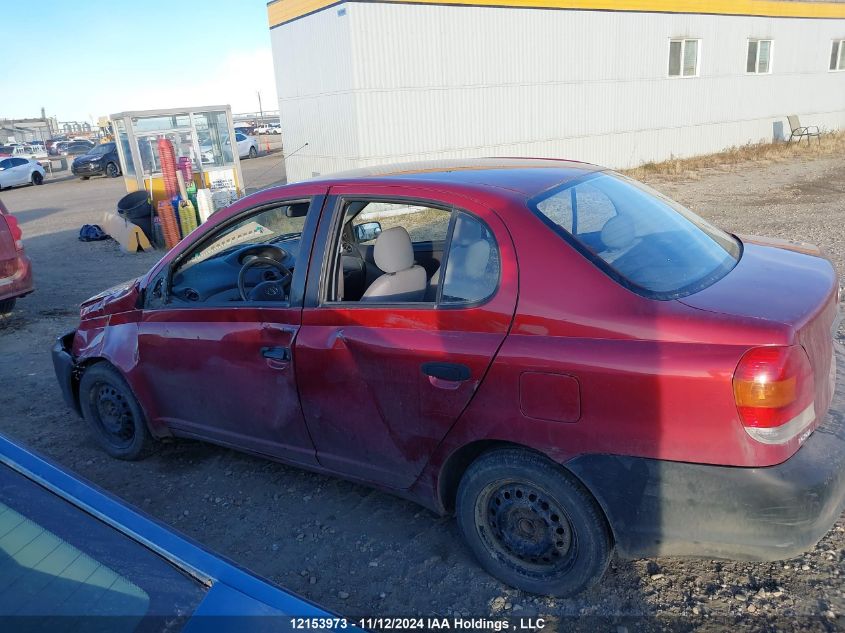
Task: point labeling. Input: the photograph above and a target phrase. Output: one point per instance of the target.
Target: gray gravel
(361, 552)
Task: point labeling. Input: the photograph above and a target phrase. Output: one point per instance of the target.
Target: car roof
(527, 176)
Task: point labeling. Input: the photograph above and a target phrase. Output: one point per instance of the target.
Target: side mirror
(367, 231)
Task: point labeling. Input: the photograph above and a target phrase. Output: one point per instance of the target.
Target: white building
(614, 83)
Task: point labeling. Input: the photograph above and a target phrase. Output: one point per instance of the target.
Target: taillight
(15, 230)
(774, 393)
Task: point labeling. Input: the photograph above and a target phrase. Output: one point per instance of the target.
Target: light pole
(260, 109)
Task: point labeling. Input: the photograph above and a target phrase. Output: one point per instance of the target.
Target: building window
(837, 55)
(683, 58)
(759, 60)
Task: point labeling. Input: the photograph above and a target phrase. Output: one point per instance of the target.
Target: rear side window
(640, 238)
(472, 265)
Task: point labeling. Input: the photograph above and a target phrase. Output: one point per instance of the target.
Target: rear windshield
(642, 239)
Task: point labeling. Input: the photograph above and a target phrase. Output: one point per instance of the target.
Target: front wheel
(6, 306)
(37, 178)
(253, 152)
(531, 524)
(113, 414)
(112, 170)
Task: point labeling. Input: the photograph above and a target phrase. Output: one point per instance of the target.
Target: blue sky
(87, 58)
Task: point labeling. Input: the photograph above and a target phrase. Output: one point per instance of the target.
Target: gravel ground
(361, 552)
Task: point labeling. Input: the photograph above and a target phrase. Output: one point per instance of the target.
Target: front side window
(837, 55)
(252, 259)
(759, 59)
(640, 238)
(683, 58)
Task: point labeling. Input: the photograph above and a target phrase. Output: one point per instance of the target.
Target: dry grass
(762, 153)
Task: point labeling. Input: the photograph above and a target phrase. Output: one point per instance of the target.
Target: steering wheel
(271, 289)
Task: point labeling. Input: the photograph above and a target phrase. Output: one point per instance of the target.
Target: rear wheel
(112, 170)
(253, 152)
(531, 524)
(6, 306)
(37, 178)
(113, 414)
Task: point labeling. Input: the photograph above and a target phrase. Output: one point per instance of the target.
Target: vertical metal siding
(438, 82)
(315, 83)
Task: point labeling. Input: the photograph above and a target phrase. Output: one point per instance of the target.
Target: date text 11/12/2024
(420, 624)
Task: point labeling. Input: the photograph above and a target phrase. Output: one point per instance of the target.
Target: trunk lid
(787, 283)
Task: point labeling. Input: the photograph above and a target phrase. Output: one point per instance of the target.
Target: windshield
(100, 150)
(642, 239)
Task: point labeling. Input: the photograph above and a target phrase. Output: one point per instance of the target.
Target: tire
(531, 524)
(37, 178)
(253, 152)
(113, 414)
(7, 305)
(112, 170)
(85, 177)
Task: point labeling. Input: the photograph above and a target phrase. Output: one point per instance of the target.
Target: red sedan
(565, 359)
(15, 268)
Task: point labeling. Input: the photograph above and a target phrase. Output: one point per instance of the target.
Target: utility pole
(260, 109)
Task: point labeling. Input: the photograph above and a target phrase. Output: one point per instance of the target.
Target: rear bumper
(65, 368)
(19, 283)
(679, 509)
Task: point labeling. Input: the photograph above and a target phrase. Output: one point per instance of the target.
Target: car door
(21, 170)
(7, 174)
(220, 368)
(381, 383)
(243, 144)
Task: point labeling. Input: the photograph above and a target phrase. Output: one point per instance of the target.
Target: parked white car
(17, 170)
(247, 145)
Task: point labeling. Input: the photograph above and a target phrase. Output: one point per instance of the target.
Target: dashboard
(215, 280)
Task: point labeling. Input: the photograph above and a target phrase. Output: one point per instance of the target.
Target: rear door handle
(276, 353)
(453, 372)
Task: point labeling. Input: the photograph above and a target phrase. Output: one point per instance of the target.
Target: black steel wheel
(113, 414)
(526, 526)
(37, 178)
(112, 170)
(532, 524)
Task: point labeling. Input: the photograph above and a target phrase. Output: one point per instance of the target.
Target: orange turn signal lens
(774, 387)
(763, 393)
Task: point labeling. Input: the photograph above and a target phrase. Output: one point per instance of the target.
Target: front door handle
(276, 353)
(453, 372)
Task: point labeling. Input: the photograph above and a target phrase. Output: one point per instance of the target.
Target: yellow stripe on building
(281, 11)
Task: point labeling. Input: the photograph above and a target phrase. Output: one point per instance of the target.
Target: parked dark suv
(100, 160)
